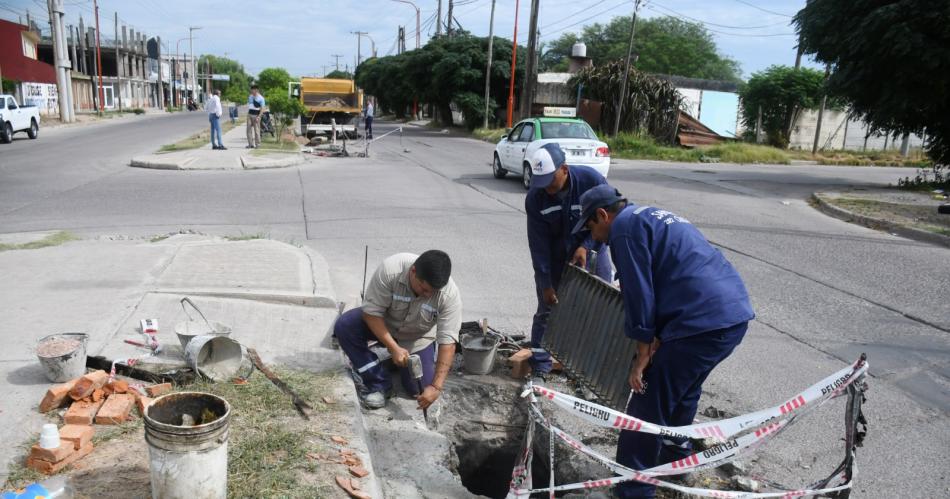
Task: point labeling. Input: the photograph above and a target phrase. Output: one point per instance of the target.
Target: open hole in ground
(485, 465)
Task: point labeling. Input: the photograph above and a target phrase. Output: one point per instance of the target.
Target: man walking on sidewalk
(687, 309)
(411, 305)
(255, 106)
(370, 110)
(213, 107)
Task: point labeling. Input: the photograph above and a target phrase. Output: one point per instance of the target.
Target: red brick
(49, 468)
(157, 390)
(88, 384)
(523, 354)
(98, 395)
(82, 413)
(56, 455)
(520, 363)
(119, 386)
(358, 471)
(77, 435)
(142, 403)
(116, 409)
(57, 396)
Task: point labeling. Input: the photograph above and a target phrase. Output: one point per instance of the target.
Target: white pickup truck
(16, 118)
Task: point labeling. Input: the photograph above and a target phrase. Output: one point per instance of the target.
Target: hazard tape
(722, 430)
(770, 423)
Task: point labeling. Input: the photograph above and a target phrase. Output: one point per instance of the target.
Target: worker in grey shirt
(410, 306)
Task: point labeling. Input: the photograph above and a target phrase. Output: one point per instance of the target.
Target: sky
(303, 36)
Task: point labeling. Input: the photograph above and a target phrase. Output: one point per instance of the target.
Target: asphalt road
(824, 290)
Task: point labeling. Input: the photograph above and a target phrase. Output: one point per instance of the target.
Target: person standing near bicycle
(255, 106)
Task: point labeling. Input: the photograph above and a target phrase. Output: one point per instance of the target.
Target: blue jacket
(674, 283)
(550, 221)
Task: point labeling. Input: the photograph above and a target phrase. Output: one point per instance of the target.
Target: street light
(371, 41)
(418, 27)
(191, 49)
(175, 90)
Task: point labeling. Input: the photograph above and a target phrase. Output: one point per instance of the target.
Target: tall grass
(633, 146)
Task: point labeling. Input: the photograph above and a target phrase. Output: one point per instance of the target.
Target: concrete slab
(257, 270)
(25, 237)
(234, 157)
(282, 334)
(277, 160)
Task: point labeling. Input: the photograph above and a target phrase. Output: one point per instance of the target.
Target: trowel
(415, 365)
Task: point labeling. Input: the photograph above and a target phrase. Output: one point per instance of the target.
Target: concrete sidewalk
(277, 298)
(235, 157)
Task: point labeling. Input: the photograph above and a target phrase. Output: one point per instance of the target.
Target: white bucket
(478, 353)
(218, 357)
(188, 462)
(63, 356)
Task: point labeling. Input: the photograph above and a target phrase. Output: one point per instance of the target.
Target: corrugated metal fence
(585, 333)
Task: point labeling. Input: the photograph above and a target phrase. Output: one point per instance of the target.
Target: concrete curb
(877, 224)
(160, 164)
(285, 160)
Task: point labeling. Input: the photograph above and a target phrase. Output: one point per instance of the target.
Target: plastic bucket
(218, 357)
(188, 462)
(63, 356)
(478, 353)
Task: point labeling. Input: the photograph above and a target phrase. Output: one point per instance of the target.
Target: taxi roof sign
(560, 112)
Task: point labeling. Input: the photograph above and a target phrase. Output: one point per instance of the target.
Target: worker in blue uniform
(553, 207)
(686, 307)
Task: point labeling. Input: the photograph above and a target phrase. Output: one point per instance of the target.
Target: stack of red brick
(92, 398)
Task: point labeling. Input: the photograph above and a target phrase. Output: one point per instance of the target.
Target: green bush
(138, 110)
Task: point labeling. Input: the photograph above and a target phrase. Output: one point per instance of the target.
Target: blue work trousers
(674, 383)
(540, 358)
(354, 337)
(215, 130)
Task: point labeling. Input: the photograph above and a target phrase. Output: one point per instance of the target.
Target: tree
(234, 90)
(444, 72)
(666, 45)
(339, 75)
(651, 105)
(782, 93)
(273, 81)
(284, 109)
(891, 61)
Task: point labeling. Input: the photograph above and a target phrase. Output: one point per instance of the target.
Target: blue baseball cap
(600, 196)
(544, 162)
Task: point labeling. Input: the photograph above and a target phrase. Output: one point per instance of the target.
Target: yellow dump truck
(329, 101)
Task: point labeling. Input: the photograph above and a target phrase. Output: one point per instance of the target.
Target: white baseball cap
(544, 162)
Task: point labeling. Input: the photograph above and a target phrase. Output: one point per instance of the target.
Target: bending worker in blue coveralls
(411, 305)
(686, 307)
(553, 207)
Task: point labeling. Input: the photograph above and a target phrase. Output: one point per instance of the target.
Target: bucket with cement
(478, 353)
(187, 436)
(189, 329)
(63, 356)
(219, 358)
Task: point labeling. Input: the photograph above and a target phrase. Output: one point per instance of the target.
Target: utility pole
(448, 21)
(491, 37)
(626, 70)
(401, 40)
(531, 66)
(514, 61)
(61, 59)
(438, 20)
(119, 66)
(418, 25)
(821, 112)
(324, 70)
(194, 68)
(95, 4)
(337, 57)
(161, 89)
(359, 39)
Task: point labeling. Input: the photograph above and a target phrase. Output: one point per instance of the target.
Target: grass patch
(199, 139)
(269, 442)
(633, 146)
(50, 240)
(270, 144)
(916, 159)
(492, 135)
(246, 237)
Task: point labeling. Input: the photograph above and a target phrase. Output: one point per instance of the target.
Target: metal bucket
(192, 328)
(478, 353)
(63, 356)
(188, 461)
(219, 358)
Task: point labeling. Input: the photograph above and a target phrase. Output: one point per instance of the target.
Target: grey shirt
(414, 322)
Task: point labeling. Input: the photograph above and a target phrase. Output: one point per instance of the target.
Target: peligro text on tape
(721, 430)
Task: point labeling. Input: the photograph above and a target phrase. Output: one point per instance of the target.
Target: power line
(745, 35)
(754, 6)
(548, 25)
(707, 23)
(622, 4)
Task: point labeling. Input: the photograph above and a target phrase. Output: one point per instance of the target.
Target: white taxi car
(576, 138)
